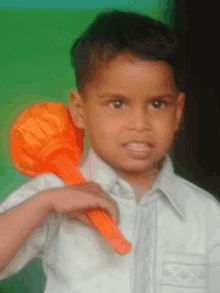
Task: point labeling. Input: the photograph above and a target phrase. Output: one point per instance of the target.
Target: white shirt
(174, 231)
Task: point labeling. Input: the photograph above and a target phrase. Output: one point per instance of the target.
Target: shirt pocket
(184, 273)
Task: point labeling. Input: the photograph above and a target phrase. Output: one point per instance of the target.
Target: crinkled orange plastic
(44, 139)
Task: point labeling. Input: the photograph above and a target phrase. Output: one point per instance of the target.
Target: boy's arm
(16, 209)
(18, 224)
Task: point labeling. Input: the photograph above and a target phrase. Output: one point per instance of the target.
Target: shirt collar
(93, 168)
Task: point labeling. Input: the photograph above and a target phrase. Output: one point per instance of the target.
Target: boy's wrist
(44, 200)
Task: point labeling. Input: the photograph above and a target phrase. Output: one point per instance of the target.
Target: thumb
(82, 217)
(85, 220)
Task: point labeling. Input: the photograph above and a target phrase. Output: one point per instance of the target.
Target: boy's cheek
(112, 126)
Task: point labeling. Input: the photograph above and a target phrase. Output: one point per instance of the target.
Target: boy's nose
(139, 120)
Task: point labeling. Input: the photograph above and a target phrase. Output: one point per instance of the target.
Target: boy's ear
(76, 109)
(179, 109)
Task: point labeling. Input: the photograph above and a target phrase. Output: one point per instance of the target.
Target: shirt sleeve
(214, 247)
(33, 246)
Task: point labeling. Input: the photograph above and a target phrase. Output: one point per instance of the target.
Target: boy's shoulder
(194, 194)
(29, 188)
(42, 182)
(202, 210)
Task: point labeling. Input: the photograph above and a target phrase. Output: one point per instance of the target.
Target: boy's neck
(142, 185)
(142, 181)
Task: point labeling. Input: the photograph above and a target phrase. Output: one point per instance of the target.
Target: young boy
(130, 98)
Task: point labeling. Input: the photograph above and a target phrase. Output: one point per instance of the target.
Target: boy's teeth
(137, 146)
(138, 150)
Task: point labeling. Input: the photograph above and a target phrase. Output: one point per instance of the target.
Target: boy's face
(130, 101)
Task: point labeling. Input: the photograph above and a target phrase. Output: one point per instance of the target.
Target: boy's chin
(135, 166)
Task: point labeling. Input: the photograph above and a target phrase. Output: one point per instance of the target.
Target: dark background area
(197, 150)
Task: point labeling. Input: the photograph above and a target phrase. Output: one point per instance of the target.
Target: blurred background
(35, 67)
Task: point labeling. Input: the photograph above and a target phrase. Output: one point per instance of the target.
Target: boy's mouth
(139, 144)
(138, 149)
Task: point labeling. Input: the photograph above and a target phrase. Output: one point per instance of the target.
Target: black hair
(114, 32)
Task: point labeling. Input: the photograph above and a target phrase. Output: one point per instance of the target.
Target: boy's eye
(116, 104)
(158, 103)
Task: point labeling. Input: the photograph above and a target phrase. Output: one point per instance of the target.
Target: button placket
(144, 251)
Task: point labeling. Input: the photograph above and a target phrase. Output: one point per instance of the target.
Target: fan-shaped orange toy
(44, 139)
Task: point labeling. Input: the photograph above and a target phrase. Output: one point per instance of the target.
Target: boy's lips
(139, 143)
(138, 149)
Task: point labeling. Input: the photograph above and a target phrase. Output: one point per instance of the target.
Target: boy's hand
(73, 200)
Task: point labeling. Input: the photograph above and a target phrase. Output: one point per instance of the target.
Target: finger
(85, 220)
(82, 218)
(112, 209)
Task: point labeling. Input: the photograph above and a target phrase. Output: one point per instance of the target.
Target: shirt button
(122, 191)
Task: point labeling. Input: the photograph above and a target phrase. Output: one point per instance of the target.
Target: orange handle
(109, 230)
(36, 147)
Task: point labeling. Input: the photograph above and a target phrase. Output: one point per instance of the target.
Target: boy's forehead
(130, 65)
(125, 56)
(121, 79)
(107, 62)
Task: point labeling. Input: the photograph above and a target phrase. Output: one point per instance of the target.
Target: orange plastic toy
(44, 139)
